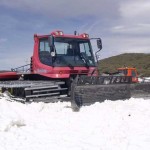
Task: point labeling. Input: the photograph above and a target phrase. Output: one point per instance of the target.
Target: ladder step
(49, 90)
(42, 95)
(41, 87)
(51, 99)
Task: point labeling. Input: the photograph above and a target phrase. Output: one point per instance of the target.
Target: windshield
(71, 52)
(124, 71)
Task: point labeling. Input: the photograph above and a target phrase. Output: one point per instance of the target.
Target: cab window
(133, 73)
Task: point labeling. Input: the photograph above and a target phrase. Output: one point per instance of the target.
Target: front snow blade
(88, 90)
(140, 90)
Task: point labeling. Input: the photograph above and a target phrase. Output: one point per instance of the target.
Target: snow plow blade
(87, 91)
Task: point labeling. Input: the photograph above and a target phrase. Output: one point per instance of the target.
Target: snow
(111, 125)
(144, 79)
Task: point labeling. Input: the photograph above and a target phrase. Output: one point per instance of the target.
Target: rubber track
(35, 90)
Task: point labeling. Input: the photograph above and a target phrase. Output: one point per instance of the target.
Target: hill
(139, 60)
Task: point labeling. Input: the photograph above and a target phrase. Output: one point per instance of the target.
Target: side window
(133, 73)
(125, 72)
(44, 46)
(84, 47)
(44, 52)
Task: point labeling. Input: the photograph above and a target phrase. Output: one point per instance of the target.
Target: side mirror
(99, 43)
(51, 41)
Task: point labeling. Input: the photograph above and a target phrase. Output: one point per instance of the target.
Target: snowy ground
(119, 125)
(144, 79)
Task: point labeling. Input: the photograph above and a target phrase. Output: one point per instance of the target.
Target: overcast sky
(123, 25)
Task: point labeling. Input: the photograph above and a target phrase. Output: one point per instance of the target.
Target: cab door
(134, 75)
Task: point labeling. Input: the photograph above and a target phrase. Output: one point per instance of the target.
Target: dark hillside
(139, 60)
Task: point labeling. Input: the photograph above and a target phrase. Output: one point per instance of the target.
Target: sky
(123, 26)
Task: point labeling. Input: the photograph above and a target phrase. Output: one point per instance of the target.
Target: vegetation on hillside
(139, 60)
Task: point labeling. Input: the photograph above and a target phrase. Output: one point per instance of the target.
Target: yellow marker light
(57, 33)
(61, 33)
(85, 35)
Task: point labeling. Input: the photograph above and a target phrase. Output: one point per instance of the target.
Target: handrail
(23, 68)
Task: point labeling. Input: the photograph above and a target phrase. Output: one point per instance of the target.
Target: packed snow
(144, 79)
(111, 125)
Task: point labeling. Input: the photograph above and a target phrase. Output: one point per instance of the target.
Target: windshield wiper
(69, 65)
(85, 59)
(85, 62)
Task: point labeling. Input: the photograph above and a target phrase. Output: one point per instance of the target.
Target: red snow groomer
(63, 67)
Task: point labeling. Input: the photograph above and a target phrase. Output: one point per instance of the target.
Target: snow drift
(111, 125)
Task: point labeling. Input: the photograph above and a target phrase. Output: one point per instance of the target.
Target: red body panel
(64, 72)
(56, 72)
(9, 75)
